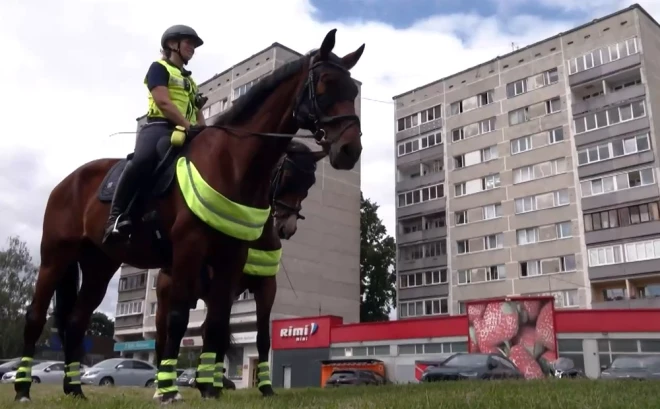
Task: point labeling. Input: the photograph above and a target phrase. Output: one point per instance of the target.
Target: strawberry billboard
(522, 329)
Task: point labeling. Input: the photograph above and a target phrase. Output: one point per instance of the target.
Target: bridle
(303, 179)
(309, 110)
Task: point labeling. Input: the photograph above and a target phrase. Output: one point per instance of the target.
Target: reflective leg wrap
(264, 374)
(205, 368)
(217, 375)
(167, 376)
(24, 371)
(72, 373)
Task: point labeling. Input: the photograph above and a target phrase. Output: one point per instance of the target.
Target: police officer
(174, 111)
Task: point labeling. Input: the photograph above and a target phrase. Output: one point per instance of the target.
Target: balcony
(627, 294)
(622, 232)
(605, 69)
(610, 91)
(422, 263)
(422, 208)
(428, 227)
(420, 174)
(422, 155)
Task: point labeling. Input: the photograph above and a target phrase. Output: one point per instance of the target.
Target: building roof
(558, 35)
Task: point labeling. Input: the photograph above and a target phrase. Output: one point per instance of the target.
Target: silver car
(43, 372)
(121, 371)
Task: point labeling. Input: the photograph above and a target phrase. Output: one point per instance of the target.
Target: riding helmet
(179, 32)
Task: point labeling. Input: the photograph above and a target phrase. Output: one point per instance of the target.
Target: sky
(73, 72)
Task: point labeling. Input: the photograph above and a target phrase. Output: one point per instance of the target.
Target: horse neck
(255, 157)
(269, 239)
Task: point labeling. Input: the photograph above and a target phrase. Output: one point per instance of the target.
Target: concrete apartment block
(534, 173)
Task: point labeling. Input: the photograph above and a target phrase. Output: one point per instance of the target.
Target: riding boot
(126, 187)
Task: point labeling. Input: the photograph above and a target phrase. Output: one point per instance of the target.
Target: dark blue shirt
(157, 76)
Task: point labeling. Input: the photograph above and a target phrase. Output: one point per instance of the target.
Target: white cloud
(76, 68)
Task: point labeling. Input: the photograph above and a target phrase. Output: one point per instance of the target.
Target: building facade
(321, 260)
(592, 339)
(535, 173)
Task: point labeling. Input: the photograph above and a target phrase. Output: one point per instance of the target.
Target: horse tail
(66, 294)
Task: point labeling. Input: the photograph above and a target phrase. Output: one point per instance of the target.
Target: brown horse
(292, 179)
(219, 205)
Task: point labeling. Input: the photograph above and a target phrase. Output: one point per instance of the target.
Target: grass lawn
(556, 394)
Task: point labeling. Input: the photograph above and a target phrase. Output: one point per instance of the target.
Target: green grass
(555, 394)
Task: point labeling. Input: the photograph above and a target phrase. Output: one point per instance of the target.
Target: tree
(101, 326)
(377, 257)
(17, 278)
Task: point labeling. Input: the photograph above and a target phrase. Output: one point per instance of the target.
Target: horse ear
(319, 155)
(349, 60)
(328, 44)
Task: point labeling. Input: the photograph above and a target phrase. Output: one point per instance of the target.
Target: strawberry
(475, 311)
(545, 327)
(547, 360)
(549, 356)
(525, 362)
(529, 310)
(498, 325)
(527, 338)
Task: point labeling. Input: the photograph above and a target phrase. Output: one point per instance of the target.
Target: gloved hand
(180, 134)
(200, 100)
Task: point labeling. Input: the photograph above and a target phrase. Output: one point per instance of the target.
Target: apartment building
(321, 261)
(535, 173)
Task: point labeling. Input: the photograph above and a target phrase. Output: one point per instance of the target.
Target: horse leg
(57, 271)
(264, 297)
(97, 269)
(163, 287)
(187, 260)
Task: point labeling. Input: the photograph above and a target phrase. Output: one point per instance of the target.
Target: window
(625, 216)
(154, 280)
(530, 83)
(426, 250)
(543, 233)
(461, 217)
(555, 135)
(492, 211)
(133, 282)
(471, 103)
(614, 149)
(477, 185)
(602, 56)
(553, 105)
(475, 157)
(527, 236)
(419, 308)
(551, 265)
(423, 278)
(620, 181)
(152, 308)
(490, 242)
(519, 145)
(612, 116)
(215, 108)
(243, 89)
(424, 194)
(539, 170)
(482, 274)
(541, 201)
(408, 122)
(564, 230)
(643, 250)
(432, 348)
(129, 308)
(419, 143)
(472, 130)
(563, 299)
(378, 350)
(431, 114)
(518, 116)
(602, 256)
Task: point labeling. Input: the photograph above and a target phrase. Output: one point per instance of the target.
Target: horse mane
(246, 105)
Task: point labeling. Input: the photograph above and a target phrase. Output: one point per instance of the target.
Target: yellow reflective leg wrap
(217, 375)
(24, 371)
(167, 376)
(205, 368)
(264, 374)
(72, 373)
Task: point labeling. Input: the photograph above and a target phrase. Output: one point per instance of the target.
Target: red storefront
(299, 345)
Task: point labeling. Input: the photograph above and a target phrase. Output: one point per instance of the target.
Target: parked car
(354, 377)
(121, 371)
(11, 365)
(629, 367)
(472, 366)
(51, 372)
(187, 378)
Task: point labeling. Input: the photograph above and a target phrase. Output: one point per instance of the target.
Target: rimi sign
(300, 334)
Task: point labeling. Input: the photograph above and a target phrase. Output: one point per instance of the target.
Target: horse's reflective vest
(182, 92)
(231, 218)
(263, 263)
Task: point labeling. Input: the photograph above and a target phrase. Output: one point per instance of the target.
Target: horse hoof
(170, 397)
(267, 391)
(22, 399)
